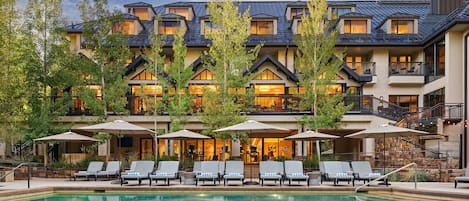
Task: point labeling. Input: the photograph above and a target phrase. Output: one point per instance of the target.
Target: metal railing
(362, 68)
(390, 173)
(406, 69)
(17, 167)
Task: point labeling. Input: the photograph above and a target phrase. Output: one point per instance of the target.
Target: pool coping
(391, 190)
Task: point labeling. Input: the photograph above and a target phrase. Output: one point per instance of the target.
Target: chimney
(444, 7)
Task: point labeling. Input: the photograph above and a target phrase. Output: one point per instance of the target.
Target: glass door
(146, 149)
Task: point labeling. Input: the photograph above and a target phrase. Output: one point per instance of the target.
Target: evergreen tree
(318, 63)
(228, 59)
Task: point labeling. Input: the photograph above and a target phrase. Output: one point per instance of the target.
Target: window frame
(350, 23)
(258, 25)
(161, 24)
(395, 22)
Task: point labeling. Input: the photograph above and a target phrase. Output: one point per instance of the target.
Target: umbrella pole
(318, 149)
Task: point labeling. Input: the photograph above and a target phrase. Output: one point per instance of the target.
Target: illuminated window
(355, 26)
(335, 89)
(144, 75)
(297, 11)
(337, 12)
(269, 98)
(267, 75)
(205, 75)
(262, 27)
(126, 28)
(147, 90)
(180, 11)
(407, 101)
(354, 63)
(167, 62)
(402, 26)
(199, 89)
(142, 13)
(143, 98)
(168, 27)
(400, 63)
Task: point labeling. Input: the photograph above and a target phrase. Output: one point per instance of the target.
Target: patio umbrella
(384, 131)
(183, 135)
(117, 127)
(251, 126)
(312, 135)
(65, 137)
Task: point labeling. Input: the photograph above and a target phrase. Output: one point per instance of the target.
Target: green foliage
(318, 64)
(227, 58)
(110, 53)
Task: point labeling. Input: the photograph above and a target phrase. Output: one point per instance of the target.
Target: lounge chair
(221, 169)
(270, 170)
(334, 171)
(362, 171)
(93, 168)
(234, 171)
(112, 169)
(197, 167)
(462, 179)
(141, 172)
(294, 172)
(167, 170)
(209, 171)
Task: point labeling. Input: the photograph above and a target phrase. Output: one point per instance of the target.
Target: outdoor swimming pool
(216, 196)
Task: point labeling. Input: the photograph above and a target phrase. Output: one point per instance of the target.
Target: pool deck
(40, 185)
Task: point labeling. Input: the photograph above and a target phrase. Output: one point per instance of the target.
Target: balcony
(363, 68)
(406, 73)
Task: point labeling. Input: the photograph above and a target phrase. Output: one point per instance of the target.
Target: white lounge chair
(334, 171)
(234, 171)
(197, 167)
(270, 170)
(362, 171)
(462, 179)
(167, 170)
(209, 171)
(294, 172)
(141, 172)
(93, 168)
(112, 169)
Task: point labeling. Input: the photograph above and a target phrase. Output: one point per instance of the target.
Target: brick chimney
(444, 7)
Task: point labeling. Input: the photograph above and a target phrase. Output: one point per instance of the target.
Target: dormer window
(336, 12)
(355, 26)
(126, 28)
(262, 27)
(297, 11)
(402, 26)
(182, 10)
(179, 11)
(168, 27)
(142, 13)
(207, 26)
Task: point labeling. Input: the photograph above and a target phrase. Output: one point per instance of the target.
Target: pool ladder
(18, 166)
(392, 172)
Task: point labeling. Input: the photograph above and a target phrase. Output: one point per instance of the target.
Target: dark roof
(263, 16)
(429, 25)
(128, 16)
(138, 4)
(278, 65)
(355, 15)
(171, 16)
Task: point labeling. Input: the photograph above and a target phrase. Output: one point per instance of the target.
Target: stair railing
(17, 167)
(390, 173)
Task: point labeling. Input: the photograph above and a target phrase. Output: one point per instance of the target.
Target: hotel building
(405, 64)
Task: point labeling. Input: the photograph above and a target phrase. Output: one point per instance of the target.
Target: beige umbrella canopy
(386, 130)
(250, 126)
(183, 134)
(67, 137)
(311, 135)
(117, 127)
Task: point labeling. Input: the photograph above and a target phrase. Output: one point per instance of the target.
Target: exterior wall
(454, 71)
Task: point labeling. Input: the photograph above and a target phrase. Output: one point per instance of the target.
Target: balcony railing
(406, 69)
(363, 68)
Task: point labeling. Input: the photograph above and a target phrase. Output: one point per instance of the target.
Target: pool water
(217, 196)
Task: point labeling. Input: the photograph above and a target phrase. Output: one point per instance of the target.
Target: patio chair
(141, 172)
(234, 171)
(334, 171)
(112, 169)
(93, 168)
(209, 171)
(294, 172)
(362, 171)
(462, 179)
(270, 170)
(167, 170)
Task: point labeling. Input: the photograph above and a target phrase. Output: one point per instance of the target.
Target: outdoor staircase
(23, 150)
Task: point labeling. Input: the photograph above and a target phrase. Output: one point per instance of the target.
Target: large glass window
(354, 63)
(267, 75)
(269, 98)
(355, 26)
(402, 26)
(400, 64)
(144, 75)
(198, 91)
(142, 13)
(440, 50)
(262, 27)
(337, 12)
(204, 75)
(407, 101)
(168, 27)
(180, 11)
(433, 98)
(143, 98)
